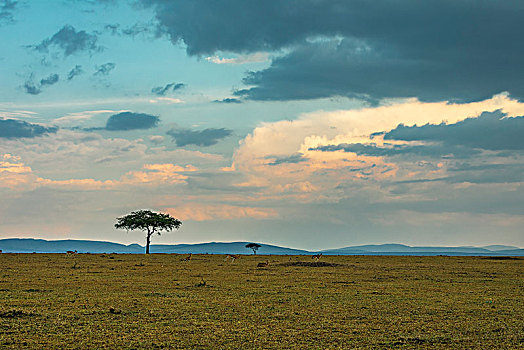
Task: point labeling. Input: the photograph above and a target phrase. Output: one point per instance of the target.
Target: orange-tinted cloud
(204, 212)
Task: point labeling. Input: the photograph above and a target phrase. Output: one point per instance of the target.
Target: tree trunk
(148, 240)
(254, 252)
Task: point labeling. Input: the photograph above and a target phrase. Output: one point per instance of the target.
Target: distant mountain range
(30, 245)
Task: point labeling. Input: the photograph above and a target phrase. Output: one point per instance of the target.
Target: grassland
(158, 301)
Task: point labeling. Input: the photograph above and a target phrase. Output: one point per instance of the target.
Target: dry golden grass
(341, 302)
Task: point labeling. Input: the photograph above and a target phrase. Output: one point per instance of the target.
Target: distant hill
(401, 249)
(29, 245)
(496, 247)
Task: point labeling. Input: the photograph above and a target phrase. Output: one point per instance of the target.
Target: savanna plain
(339, 302)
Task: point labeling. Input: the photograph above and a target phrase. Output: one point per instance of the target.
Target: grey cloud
(162, 90)
(136, 29)
(433, 150)
(6, 11)
(50, 80)
(12, 128)
(131, 121)
(490, 131)
(35, 89)
(482, 200)
(31, 88)
(294, 158)
(480, 174)
(77, 70)
(112, 28)
(434, 50)
(228, 100)
(70, 41)
(206, 137)
(348, 68)
(104, 69)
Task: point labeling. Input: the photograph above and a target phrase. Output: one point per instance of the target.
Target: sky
(311, 124)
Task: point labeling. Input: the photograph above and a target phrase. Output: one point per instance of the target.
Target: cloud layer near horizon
(316, 167)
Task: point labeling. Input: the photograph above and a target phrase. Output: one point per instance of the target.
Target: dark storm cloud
(77, 70)
(333, 68)
(206, 137)
(228, 100)
(104, 69)
(131, 121)
(12, 128)
(435, 50)
(162, 90)
(7, 7)
(70, 41)
(295, 158)
(50, 80)
(490, 131)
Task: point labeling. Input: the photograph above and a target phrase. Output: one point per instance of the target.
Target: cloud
(70, 41)
(158, 173)
(433, 50)
(228, 100)
(156, 139)
(83, 116)
(294, 158)
(35, 89)
(12, 128)
(162, 90)
(136, 29)
(332, 68)
(243, 59)
(112, 28)
(342, 153)
(6, 11)
(17, 175)
(491, 131)
(77, 70)
(168, 100)
(206, 137)
(104, 69)
(78, 154)
(31, 88)
(386, 150)
(131, 121)
(50, 80)
(206, 212)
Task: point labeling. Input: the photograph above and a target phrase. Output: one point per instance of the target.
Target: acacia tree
(253, 246)
(149, 222)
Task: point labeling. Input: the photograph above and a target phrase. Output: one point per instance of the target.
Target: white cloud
(242, 59)
(168, 100)
(77, 117)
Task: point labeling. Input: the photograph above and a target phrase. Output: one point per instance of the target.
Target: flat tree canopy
(253, 246)
(148, 221)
